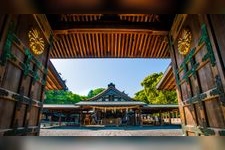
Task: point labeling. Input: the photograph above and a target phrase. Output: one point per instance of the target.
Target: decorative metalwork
(26, 66)
(35, 75)
(207, 131)
(43, 82)
(219, 90)
(6, 55)
(190, 72)
(3, 92)
(199, 97)
(14, 132)
(184, 41)
(177, 79)
(22, 99)
(23, 131)
(44, 77)
(202, 96)
(36, 42)
(205, 38)
(198, 130)
(194, 66)
(222, 133)
(188, 58)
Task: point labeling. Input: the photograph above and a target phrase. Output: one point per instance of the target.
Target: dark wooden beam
(111, 21)
(58, 81)
(111, 6)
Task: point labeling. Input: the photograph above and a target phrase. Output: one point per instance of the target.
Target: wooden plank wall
(217, 23)
(23, 74)
(199, 78)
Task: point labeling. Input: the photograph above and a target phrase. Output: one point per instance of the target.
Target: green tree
(61, 97)
(67, 97)
(94, 92)
(151, 95)
(90, 94)
(141, 96)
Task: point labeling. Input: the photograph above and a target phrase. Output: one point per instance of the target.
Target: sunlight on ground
(113, 131)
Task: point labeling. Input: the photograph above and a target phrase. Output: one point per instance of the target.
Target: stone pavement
(113, 131)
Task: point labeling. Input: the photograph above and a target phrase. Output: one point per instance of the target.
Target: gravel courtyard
(113, 131)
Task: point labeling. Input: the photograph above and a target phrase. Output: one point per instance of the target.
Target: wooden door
(217, 23)
(199, 78)
(25, 42)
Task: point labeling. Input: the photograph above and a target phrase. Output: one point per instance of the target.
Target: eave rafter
(111, 21)
(110, 35)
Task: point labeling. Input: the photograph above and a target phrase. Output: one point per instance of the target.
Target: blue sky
(82, 75)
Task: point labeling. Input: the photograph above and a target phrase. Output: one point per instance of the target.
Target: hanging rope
(114, 107)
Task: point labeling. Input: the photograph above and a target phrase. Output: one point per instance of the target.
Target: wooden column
(140, 117)
(166, 116)
(135, 117)
(160, 117)
(51, 119)
(104, 120)
(176, 113)
(60, 118)
(81, 115)
(173, 115)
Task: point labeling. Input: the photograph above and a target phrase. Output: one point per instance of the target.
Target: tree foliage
(95, 92)
(62, 97)
(151, 95)
(67, 97)
(141, 96)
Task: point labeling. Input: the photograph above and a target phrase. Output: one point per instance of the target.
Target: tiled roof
(161, 106)
(67, 106)
(111, 87)
(110, 103)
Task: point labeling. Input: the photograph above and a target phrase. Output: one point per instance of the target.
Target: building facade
(111, 107)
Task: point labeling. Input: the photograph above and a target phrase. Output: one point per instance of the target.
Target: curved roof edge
(111, 86)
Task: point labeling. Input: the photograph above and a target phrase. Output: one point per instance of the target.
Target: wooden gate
(198, 68)
(25, 42)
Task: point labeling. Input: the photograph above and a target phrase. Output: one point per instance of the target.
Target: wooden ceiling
(54, 81)
(96, 17)
(110, 35)
(168, 80)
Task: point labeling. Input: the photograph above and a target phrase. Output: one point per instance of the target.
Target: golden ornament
(184, 41)
(36, 42)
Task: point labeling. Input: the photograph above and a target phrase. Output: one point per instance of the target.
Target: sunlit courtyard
(174, 130)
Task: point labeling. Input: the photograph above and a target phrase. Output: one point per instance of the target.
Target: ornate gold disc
(36, 42)
(184, 41)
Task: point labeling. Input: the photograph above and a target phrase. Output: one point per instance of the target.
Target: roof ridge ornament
(111, 85)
